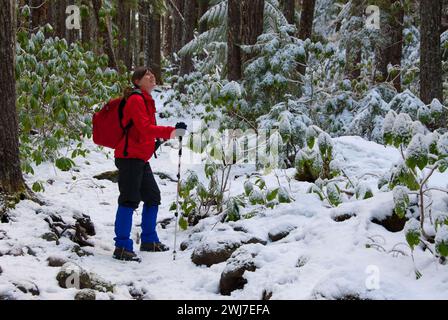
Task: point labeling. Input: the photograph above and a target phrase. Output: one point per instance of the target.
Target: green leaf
(248, 187)
(401, 200)
(442, 248)
(64, 164)
(183, 224)
(272, 194)
(38, 187)
(413, 238)
(260, 183)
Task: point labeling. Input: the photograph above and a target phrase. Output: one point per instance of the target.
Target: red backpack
(108, 129)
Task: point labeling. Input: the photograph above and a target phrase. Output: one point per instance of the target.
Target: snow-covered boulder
(214, 252)
(85, 294)
(281, 231)
(242, 260)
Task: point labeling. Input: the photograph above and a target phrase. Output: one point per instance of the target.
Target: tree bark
(306, 26)
(190, 12)
(11, 179)
(252, 16)
(234, 41)
(306, 19)
(153, 44)
(353, 46)
(167, 33)
(203, 7)
(142, 22)
(59, 18)
(124, 27)
(106, 34)
(288, 8)
(178, 21)
(39, 13)
(86, 27)
(430, 53)
(72, 35)
(390, 47)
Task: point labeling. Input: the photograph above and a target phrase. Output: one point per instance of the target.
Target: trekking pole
(177, 197)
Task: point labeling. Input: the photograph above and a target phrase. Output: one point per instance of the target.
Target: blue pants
(123, 226)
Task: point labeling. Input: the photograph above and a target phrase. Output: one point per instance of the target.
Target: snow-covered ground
(319, 259)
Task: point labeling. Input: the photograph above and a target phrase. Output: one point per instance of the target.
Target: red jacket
(144, 132)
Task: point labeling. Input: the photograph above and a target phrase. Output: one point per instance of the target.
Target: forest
(314, 165)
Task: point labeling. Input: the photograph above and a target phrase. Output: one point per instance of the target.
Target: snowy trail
(334, 259)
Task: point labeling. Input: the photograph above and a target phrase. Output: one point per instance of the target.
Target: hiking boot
(125, 255)
(154, 247)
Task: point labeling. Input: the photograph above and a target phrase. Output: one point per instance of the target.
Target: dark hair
(138, 74)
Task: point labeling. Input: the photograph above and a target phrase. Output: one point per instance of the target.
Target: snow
(319, 259)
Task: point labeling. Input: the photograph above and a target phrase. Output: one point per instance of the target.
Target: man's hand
(181, 129)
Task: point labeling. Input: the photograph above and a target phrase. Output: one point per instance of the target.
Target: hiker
(135, 179)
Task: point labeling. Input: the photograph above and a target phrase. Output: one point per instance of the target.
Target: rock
(343, 217)
(6, 297)
(301, 262)
(108, 175)
(30, 251)
(137, 293)
(280, 232)
(27, 287)
(267, 295)
(212, 253)
(240, 262)
(73, 276)
(50, 236)
(86, 223)
(184, 245)
(392, 223)
(54, 261)
(3, 235)
(1, 270)
(50, 181)
(80, 252)
(85, 294)
(253, 240)
(239, 229)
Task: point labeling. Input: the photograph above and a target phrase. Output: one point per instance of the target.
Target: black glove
(181, 129)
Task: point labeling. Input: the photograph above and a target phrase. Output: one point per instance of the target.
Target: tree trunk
(59, 18)
(106, 34)
(142, 22)
(11, 179)
(234, 40)
(391, 42)
(306, 19)
(190, 15)
(430, 53)
(135, 38)
(306, 27)
(288, 8)
(124, 27)
(72, 35)
(39, 13)
(86, 27)
(178, 21)
(353, 53)
(168, 36)
(153, 44)
(203, 7)
(252, 16)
